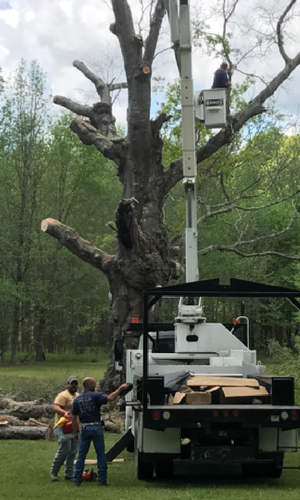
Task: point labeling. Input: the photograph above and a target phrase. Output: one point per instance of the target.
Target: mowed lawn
(25, 465)
(33, 380)
(25, 475)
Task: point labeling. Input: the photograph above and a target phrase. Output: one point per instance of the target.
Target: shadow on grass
(213, 478)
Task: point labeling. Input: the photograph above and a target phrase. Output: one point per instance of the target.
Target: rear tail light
(235, 413)
(215, 413)
(156, 415)
(225, 413)
(294, 415)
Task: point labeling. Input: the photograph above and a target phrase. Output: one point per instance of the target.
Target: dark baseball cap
(72, 379)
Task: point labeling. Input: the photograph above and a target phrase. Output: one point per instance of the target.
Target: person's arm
(116, 393)
(58, 409)
(74, 427)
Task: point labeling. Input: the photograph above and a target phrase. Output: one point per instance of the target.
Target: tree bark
(22, 432)
(28, 409)
(39, 331)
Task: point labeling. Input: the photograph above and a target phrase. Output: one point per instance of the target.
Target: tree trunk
(39, 335)
(15, 334)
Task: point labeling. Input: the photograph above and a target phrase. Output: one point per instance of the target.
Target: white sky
(55, 32)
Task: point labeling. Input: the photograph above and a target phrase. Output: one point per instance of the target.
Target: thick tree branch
(78, 109)
(159, 121)
(83, 249)
(117, 86)
(101, 87)
(279, 32)
(155, 26)
(254, 108)
(110, 148)
(123, 28)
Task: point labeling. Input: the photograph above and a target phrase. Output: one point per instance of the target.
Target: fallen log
(22, 432)
(25, 410)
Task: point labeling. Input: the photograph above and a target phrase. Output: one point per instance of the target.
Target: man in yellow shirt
(67, 446)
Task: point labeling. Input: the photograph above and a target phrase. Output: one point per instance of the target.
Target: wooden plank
(90, 461)
(207, 381)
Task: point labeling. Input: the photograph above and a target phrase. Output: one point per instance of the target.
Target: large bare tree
(143, 258)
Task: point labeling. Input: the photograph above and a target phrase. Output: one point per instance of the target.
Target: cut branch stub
(83, 249)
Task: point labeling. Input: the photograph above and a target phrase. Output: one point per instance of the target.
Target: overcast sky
(56, 32)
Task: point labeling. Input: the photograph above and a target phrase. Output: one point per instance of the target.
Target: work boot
(54, 478)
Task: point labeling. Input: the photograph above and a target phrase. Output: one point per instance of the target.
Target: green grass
(88, 356)
(32, 381)
(25, 475)
(25, 464)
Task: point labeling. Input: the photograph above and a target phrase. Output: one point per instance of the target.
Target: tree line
(49, 300)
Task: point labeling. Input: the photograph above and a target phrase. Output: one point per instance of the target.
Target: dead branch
(75, 107)
(157, 124)
(101, 87)
(123, 28)
(117, 86)
(89, 135)
(155, 26)
(83, 249)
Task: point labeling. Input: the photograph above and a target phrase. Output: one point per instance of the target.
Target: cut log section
(22, 432)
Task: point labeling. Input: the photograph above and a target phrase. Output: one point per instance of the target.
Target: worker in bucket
(221, 77)
(87, 408)
(67, 446)
(222, 80)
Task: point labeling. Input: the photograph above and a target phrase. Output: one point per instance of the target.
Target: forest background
(54, 302)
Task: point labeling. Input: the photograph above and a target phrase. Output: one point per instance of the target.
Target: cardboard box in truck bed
(207, 381)
(188, 396)
(244, 395)
(201, 398)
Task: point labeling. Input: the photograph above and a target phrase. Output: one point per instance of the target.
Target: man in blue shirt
(221, 79)
(87, 407)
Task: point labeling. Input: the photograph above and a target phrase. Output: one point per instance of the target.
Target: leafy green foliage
(51, 301)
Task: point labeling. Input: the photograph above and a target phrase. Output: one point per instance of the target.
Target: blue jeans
(65, 453)
(92, 433)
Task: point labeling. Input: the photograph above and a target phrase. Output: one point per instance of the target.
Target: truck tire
(143, 470)
(164, 469)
